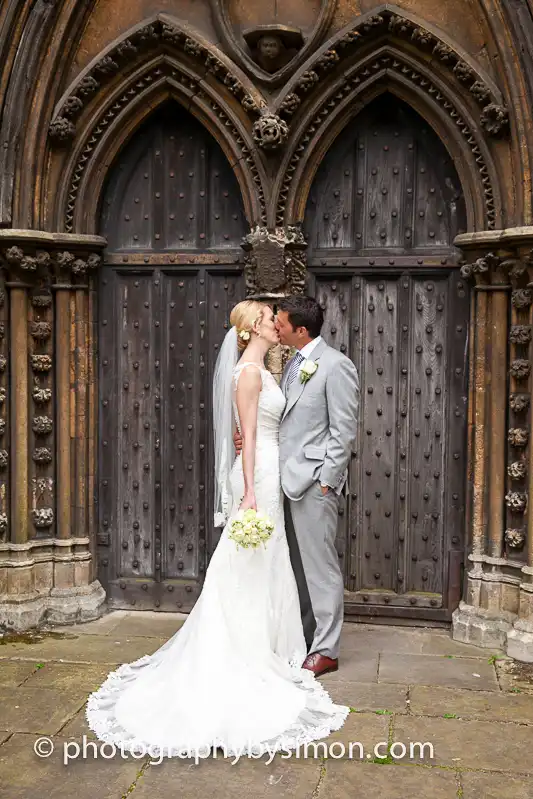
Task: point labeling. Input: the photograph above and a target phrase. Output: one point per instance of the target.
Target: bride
(231, 677)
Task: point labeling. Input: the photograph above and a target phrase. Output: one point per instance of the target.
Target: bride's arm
(248, 389)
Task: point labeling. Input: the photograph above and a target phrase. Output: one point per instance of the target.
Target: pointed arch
(157, 60)
(330, 107)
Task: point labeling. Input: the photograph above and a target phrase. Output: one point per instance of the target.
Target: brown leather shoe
(320, 664)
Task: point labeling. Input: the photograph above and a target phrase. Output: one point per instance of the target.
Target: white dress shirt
(309, 347)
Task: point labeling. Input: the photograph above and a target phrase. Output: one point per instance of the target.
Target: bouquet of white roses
(250, 529)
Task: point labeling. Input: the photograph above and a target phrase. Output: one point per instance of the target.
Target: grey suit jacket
(319, 425)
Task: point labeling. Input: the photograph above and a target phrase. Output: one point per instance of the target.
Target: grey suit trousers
(311, 528)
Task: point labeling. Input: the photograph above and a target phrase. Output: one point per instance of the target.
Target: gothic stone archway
(384, 209)
(173, 217)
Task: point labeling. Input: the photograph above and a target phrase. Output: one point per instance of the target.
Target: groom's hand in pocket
(237, 441)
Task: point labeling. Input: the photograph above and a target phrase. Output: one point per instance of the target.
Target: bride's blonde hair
(244, 316)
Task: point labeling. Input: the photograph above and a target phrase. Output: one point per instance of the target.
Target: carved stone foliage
(275, 261)
(521, 298)
(494, 116)
(41, 395)
(520, 334)
(516, 501)
(359, 77)
(520, 369)
(40, 331)
(481, 267)
(270, 132)
(41, 265)
(518, 436)
(42, 455)
(16, 256)
(515, 538)
(43, 517)
(158, 35)
(42, 425)
(41, 297)
(519, 403)
(41, 363)
(517, 470)
(76, 265)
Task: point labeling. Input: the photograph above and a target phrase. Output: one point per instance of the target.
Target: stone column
(46, 569)
(275, 266)
(18, 404)
(499, 396)
(520, 638)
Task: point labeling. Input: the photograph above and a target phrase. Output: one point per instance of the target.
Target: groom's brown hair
(303, 312)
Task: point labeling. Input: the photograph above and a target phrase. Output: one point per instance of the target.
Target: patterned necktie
(293, 371)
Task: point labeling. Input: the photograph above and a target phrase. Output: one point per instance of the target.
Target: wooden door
(384, 209)
(173, 218)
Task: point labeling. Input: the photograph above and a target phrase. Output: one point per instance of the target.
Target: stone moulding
(160, 32)
(390, 21)
(362, 75)
(152, 75)
(48, 579)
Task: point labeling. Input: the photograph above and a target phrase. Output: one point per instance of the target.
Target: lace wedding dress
(231, 676)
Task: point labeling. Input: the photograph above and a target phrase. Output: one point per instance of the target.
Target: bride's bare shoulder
(248, 378)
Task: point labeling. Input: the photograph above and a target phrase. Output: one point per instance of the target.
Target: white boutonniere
(307, 370)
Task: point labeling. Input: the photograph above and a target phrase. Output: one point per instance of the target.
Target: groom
(316, 438)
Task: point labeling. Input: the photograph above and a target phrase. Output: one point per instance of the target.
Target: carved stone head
(273, 46)
(270, 47)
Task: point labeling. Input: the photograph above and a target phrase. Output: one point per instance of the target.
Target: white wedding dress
(231, 677)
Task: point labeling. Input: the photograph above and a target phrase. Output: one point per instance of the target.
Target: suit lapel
(297, 388)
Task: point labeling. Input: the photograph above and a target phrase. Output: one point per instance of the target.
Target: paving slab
(368, 696)
(13, 673)
(282, 779)
(407, 640)
(515, 677)
(438, 670)
(495, 786)
(87, 649)
(490, 745)
(77, 677)
(24, 775)
(364, 732)
(102, 626)
(484, 705)
(77, 727)
(347, 780)
(37, 710)
(153, 625)
(355, 666)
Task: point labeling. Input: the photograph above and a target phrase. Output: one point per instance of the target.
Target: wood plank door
(173, 218)
(381, 218)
